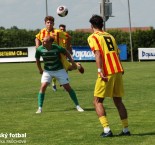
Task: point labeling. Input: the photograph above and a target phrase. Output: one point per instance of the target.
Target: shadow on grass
(144, 134)
(70, 109)
(89, 109)
(85, 109)
(140, 134)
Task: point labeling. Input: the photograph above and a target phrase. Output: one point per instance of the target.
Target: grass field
(60, 123)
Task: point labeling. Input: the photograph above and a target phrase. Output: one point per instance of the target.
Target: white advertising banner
(20, 54)
(146, 53)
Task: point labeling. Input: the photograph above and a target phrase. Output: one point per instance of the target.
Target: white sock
(125, 130)
(106, 129)
(40, 108)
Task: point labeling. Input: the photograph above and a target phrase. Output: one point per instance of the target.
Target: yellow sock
(125, 123)
(53, 81)
(104, 121)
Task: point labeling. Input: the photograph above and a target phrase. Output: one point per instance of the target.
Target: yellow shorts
(65, 62)
(112, 88)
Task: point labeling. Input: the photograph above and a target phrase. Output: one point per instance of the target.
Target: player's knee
(67, 87)
(97, 101)
(43, 87)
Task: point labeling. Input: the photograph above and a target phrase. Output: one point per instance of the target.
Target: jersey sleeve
(38, 36)
(41, 34)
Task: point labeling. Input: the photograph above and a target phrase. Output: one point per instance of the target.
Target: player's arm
(99, 65)
(118, 53)
(37, 42)
(68, 45)
(38, 62)
(70, 59)
(39, 66)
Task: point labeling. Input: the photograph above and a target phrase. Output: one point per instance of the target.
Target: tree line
(14, 37)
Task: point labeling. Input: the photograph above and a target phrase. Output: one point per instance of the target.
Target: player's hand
(104, 78)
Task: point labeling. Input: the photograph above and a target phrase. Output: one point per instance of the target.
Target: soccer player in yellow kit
(62, 28)
(59, 36)
(109, 82)
(62, 39)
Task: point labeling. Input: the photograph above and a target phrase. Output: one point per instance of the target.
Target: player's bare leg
(123, 115)
(100, 110)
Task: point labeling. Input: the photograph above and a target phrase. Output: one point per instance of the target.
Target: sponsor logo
(148, 54)
(6, 53)
(82, 55)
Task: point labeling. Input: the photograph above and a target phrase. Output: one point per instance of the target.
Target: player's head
(49, 18)
(47, 41)
(62, 27)
(96, 22)
(49, 22)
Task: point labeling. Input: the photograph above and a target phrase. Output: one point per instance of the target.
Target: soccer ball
(62, 11)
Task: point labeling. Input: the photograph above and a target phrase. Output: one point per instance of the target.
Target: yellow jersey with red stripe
(60, 37)
(106, 44)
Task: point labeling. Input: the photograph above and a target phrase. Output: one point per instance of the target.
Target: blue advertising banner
(81, 53)
(123, 51)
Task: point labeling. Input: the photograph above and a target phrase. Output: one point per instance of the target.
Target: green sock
(40, 99)
(73, 97)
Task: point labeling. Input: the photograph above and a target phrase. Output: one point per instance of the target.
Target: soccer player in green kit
(53, 67)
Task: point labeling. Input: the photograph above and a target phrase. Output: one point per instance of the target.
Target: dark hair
(49, 18)
(62, 25)
(96, 21)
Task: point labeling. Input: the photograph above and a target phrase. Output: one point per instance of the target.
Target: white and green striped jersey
(51, 58)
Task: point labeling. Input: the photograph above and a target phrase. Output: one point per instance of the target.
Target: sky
(29, 14)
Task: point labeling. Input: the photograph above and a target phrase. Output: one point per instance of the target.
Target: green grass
(60, 123)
